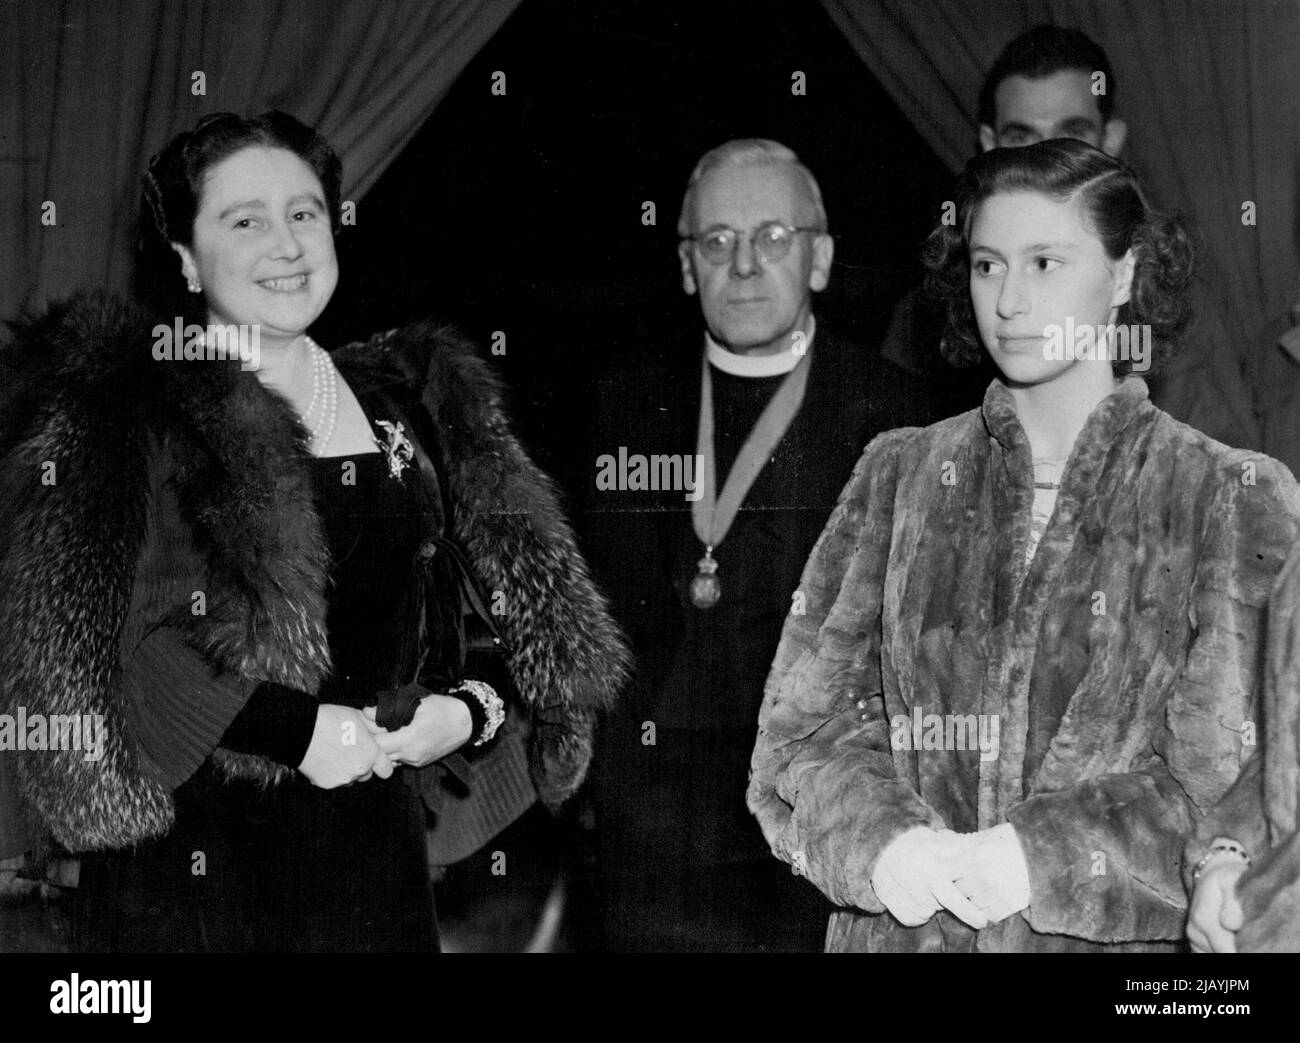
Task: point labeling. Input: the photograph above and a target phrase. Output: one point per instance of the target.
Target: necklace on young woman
(325, 391)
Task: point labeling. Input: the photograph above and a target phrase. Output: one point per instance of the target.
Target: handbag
(451, 636)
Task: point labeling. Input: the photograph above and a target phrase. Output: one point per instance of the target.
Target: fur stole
(86, 413)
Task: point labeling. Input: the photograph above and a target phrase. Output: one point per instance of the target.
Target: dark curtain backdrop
(90, 89)
(1210, 90)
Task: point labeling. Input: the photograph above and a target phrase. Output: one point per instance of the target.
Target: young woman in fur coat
(1029, 661)
(247, 576)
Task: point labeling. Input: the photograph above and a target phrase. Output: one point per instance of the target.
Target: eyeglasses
(770, 242)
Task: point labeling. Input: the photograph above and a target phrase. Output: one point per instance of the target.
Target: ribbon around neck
(712, 514)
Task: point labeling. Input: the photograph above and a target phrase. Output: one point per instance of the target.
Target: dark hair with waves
(1116, 209)
(172, 186)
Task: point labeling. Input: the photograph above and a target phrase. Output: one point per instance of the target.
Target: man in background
(764, 411)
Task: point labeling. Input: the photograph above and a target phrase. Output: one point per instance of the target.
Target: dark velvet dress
(294, 868)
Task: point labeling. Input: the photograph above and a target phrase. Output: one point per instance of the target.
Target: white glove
(990, 869)
(913, 881)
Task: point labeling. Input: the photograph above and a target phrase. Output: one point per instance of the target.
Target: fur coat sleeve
(87, 409)
(1123, 717)
(61, 600)
(1259, 811)
(1212, 720)
(823, 784)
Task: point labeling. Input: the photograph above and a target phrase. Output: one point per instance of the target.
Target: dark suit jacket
(683, 864)
(644, 548)
(700, 672)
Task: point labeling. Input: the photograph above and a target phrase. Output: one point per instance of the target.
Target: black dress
(294, 868)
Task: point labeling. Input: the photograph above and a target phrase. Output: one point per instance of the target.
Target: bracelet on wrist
(1221, 846)
(487, 711)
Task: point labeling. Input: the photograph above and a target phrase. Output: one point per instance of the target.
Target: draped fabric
(1210, 93)
(90, 89)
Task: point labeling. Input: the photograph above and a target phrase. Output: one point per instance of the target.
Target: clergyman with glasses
(767, 409)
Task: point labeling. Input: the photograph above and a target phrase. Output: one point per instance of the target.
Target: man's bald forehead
(780, 187)
(751, 152)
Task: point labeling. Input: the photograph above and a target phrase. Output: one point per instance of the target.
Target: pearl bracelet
(1221, 846)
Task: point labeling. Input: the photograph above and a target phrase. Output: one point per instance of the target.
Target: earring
(194, 286)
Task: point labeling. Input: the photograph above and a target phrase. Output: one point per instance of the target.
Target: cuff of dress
(276, 722)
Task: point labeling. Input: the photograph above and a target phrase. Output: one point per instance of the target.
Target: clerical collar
(756, 365)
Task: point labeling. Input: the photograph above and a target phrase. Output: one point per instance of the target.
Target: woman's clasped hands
(441, 726)
(343, 750)
(348, 746)
(981, 878)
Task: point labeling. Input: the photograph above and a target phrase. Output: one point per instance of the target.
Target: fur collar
(235, 455)
(79, 388)
(505, 512)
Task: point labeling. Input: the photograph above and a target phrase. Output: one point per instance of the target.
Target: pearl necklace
(325, 389)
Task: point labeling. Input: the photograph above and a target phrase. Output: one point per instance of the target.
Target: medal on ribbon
(706, 588)
(712, 514)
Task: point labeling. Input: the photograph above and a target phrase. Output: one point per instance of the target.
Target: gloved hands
(1215, 915)
(992, 872)
(913, 882)
(980, 878)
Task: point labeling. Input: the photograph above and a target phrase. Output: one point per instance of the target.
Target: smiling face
(752, 306)
(1060, 105)
(263, 250)
(1034, 263)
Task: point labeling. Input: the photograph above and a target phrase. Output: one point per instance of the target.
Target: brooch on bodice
(397, 448)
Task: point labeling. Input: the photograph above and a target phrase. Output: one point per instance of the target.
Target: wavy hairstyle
(1113, 206)
(172, 185)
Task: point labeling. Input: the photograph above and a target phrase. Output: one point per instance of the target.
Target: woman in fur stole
(1029, 661)
(236, 558)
